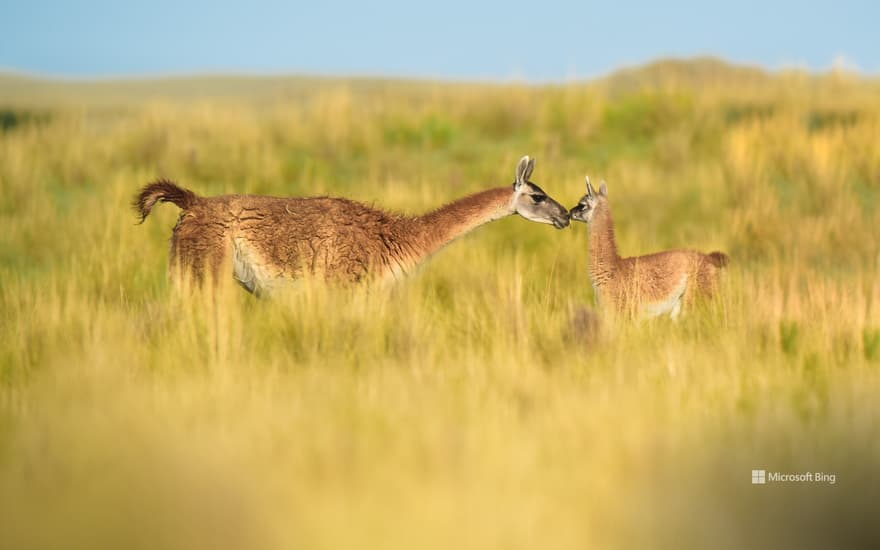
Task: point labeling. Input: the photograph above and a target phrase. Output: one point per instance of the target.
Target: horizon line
(514, 78)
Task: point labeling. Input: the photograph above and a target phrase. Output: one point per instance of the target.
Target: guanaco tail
(650, 285)
(268, 241)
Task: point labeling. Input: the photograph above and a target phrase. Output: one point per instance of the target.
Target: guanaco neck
(603, 247)
(434, 230)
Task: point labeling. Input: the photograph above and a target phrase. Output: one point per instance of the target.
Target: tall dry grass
(474, 405)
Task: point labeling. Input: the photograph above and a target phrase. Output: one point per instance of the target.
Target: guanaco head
(584, 210)
(531, 202)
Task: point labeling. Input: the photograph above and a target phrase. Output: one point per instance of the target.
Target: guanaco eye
(539, 198)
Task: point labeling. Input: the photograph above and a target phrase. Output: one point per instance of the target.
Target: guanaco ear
(530, 169)
(590, 191)
(523, 171)
(603, 189)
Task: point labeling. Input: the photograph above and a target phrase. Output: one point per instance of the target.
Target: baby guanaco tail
(718, 259)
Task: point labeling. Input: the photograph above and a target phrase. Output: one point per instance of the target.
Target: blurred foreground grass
(470, 406)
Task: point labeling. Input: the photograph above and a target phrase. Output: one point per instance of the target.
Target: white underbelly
(247, 268)
(670, 305)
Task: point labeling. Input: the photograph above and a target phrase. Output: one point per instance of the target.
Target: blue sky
(536, 41)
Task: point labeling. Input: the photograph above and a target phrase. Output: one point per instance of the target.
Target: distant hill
(684, 72)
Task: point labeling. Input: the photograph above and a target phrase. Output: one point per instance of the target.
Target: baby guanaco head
(531, 202)
(584, 210)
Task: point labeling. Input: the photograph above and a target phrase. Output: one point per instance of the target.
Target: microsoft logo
(759, 477)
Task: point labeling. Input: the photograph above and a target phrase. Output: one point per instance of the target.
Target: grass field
(469, 406)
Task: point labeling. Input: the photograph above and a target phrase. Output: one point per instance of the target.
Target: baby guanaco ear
(603, 189)
(523, 170)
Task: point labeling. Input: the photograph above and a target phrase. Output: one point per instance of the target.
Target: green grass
(473, 405)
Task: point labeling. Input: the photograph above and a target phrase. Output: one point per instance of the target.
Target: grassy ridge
(470, 406)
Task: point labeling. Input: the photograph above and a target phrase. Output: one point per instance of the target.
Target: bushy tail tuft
(162, 191)
(719, 259)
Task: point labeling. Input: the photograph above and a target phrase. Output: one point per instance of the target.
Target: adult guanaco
(271, 240)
